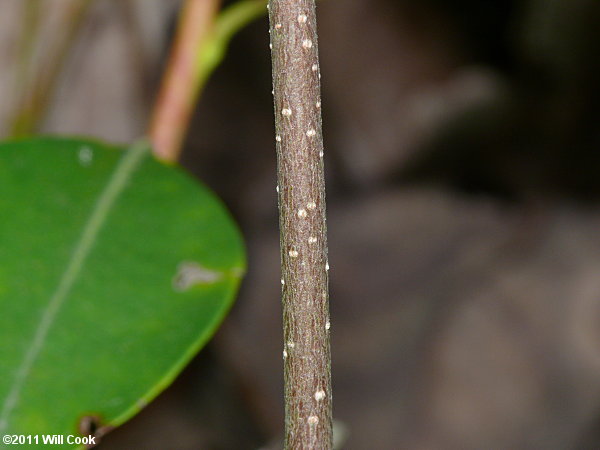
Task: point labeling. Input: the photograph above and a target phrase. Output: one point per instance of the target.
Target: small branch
(301, 185)
(36, 98)
(30, 28)
(180, 86)
(229, 22)
(199, 48)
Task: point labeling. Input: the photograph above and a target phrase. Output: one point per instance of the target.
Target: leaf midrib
(97, 218)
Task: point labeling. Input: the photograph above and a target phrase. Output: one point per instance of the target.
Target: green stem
(36, 99)
(199, 48)
(29, 33)
(228, 24)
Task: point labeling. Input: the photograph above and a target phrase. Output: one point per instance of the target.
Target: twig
(184, 81)
(229, 22)
(30, 28)
(34, 104)
(180, 86)
(302, 224)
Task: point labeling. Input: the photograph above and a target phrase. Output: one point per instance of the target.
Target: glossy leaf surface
(114, 271)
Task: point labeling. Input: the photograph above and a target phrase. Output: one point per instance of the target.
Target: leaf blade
(152, 266)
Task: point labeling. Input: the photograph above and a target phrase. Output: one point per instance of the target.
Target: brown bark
(301, 186)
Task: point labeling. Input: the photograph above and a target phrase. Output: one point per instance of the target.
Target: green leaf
(114, 271)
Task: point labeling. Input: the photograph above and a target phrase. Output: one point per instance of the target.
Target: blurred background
(463, 168)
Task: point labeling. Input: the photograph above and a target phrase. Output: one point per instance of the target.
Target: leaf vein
(106, 200)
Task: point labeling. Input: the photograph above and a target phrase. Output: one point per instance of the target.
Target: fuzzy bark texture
(301, 187)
